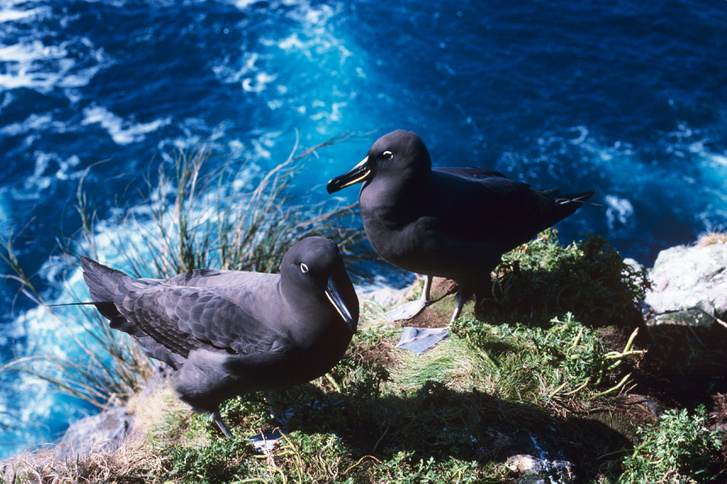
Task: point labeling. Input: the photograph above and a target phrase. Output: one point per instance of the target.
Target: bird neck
(394, 198)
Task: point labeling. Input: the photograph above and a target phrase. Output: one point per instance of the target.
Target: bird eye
(388, 155)
(303, 268)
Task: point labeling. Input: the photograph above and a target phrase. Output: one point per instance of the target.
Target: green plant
(560, 360)
(217, 461)
(542, 279)
(678, 449)
(402, 469)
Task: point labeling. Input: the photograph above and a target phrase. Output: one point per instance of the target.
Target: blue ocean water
(628, 98)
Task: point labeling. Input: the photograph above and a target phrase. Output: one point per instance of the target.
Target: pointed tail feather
(579, 198)
(102, 283)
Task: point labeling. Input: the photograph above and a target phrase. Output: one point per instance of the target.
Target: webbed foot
(421, 340)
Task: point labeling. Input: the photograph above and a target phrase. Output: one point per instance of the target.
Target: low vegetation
(555, 363)
(588, 278)
(678, 449)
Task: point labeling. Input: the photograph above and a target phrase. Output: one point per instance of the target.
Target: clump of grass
(542, 279)
(454, 361)
(712, 238)
(227, 217)
(544, 363)
(124, 464)
(679, 449)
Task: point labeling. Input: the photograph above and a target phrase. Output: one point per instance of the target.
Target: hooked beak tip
(339, 304)
(357, 174)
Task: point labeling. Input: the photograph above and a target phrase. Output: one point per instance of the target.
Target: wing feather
(187, 318)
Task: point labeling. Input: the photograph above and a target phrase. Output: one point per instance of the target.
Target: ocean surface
(628, 98)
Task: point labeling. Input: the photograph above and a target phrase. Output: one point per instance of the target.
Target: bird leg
(411, 309)
(221, 424)
(273, 412)
(461, 298)
(420, 340)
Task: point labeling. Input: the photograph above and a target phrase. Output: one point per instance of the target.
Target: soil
(437, 314)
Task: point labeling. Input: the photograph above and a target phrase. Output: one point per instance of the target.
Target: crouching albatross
(447, 222)
(227, 333)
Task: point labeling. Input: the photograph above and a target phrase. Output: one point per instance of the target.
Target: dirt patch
(439, 312)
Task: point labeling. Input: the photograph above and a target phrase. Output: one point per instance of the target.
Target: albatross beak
(355, 175)
(337, 301)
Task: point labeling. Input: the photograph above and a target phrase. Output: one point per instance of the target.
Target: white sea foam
(35, 65)
(12, 15)
(305, 69)
(258, 83)
(43, 176)
(122, 131)
(620, 211)
(625, 166)
(243, 4)
(47, 64)
(6, 219)
(32, 124)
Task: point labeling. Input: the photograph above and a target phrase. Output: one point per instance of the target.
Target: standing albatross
(227, 333)
(447, 222)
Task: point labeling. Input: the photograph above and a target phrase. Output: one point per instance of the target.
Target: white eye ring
(388, 154)
(303, 268)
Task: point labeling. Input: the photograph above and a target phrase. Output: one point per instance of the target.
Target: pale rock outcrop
(687, 277)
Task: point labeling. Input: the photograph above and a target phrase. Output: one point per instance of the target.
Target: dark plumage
(232, 332)
(447, 222)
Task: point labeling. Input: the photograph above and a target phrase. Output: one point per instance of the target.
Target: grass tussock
(712, 238)
(197, 214)
(549, 365)
(99, 465)
(542, 280)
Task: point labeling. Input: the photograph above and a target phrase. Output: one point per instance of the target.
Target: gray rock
(533, 470)
(688, 277)
(385, 296)
(103, 431)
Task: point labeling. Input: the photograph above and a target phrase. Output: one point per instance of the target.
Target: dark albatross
(232, 332)
(447, 222)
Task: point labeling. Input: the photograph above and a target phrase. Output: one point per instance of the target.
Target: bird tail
(566, 205)
(577, 198)
(102, 282)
